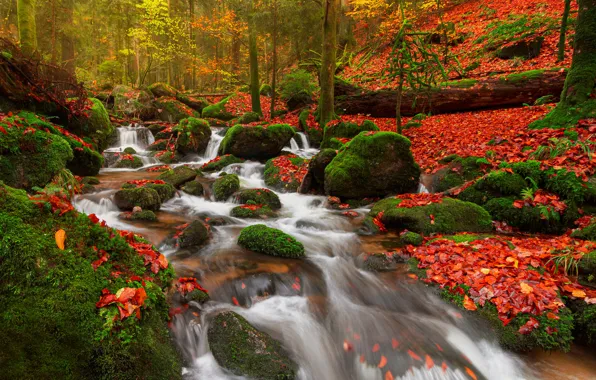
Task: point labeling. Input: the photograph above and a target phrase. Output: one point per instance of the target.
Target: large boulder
(173, 111)
(178, 176)
(133, 103)
(315, 177)
(225, 186)
(96, 126)
(256, 142)
(128, 199)
(259, 196)
(373, 164)
(447, 217)
(270, 241)
(193, 188)
(160, 89)
(344, 130)
(245, 351)
(164, 190)
(193, 235)
(193, 135)
(31, 159)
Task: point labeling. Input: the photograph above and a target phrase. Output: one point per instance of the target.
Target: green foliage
(298, 84)
(411, 238)
(269, 241)
(515, 28)
(110, 71)
(218, 110)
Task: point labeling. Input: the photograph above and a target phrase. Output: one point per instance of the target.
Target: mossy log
(512, 91)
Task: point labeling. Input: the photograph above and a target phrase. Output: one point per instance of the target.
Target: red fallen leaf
(413, 355)
(389, 376)
(444, 367)
(418, 199)
(103, 257)
(429, 362)
(529, 326)
(551, 330)
(471, 373)
(350, 214)
(177, 310)
(347, 346)
(235, 301)
(93, 218)
(376, 347)
(362, 359)
(394, 343)
(551, 315)
(382, 362)
(186, 285)
(518, 204)
(469, 304)
(378, 221)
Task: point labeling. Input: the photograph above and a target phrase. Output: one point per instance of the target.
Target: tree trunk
(561, 54)
(486, 94)
(254, 63)
(27, 26)
(274, 68)
(68, 43)
(326, 102)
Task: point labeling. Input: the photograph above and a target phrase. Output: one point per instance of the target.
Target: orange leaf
(578, 293)
(469, 304)
(394, 343)
(383, 362)
(389, 376)
(444, 367)
(429, 362)
(60, 237)
(471, 373)
(413, 355)
(525, 288)
(376, 347)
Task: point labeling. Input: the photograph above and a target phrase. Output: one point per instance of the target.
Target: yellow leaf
(485, 270)
(525, 288)
(578, 293)
(60, 237)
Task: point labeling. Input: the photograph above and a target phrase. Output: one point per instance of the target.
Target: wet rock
(178, 176)
(527, 49)
(256, 142)
(165, 191)
(147, 199)
(129, 162)
(247, 118)
(373, 164)
(378, 262)
(129, 150)
(197, 296)
(411, 238)
(221, 162)
(315, 177)
(259, 196)
(246, 351)
(225, 186)
(252, 211)
(193, 188)
(86, 162)
(270, 241)
(95, 126)
(193, 135)
(194, 235)
(146, 215)
(284, 173)
(196, 103)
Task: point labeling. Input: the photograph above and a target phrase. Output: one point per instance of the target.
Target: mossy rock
(147, 199)
(450, 216)
(372, 165)
(173, 111)
(260, 197)
(265, 90)
(225, 186)
(86, 162)
(584, 322)
(178, 176)
(160, 89)
(411, 238)
(220, 164)
(96, 126)
(586, 233)
(193, 188)
(256, 143)
(270, 241)
(194, 235)
(198, 296)
(248, 118)
(145, 215)
(345, 130)
(193, 135)
(245, 351)
(378, 262)
(218, 111)
(168, 157)
(91, 181)
(527, 219)
(315, 177)
(459, 171)
(496, 184)
(129, 150)
(133, 103)
(194, 102)
(158, 145)
(31, 159)
(135, 163)
(165, 191)
(244, 212)
(273, 179)
(52, 327)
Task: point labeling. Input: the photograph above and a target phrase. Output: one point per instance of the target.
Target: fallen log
(514, 90)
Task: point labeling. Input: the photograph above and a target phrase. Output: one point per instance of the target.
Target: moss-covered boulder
(193, 235)
(285, 173)
(144, 215)
(345, 130)
(260, 197)
(164, 190)
(496, 184)
(160, 89)
(373, 164)
(269, 241)
(449, 216)
(252, 211)
(314, 180)
(133, 103)
(158, 145)
(129, 150)
(225, 186)
(32, 158)
(249, 117)
(193, 188)
(257, 142)
(195, 102)
(147, 199)
(411, 238)
(128, 161)
(458, 171)
(220, 162)
(86, 162)
(53, 327)
(218, 111)
(245, 351)
(178, 176)
(168, 157)
(96, 126)
(173, 111)
(192, 135)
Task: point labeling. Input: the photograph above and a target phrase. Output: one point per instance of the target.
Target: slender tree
(68, 43)
(254, 63)
(326, 106)
(274, 68)
(561, 54)
(27, 27)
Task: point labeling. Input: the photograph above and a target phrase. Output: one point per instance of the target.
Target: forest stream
(336, 320)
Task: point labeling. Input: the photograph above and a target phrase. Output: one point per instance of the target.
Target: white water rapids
(336, 302)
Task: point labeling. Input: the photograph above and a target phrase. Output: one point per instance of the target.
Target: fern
(527, 194)
(534, 184)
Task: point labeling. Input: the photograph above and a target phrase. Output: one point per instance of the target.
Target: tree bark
(68, 43)
(254, 63)
(326, 102)
(27, 25)
(486, 94)
(274, 68)
(561, 54)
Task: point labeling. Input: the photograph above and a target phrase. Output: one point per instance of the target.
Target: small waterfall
(294, 145)
(214, 143)
(304, 140)
(134, 136)
(103, 207)
(300, 146)
(422, 189)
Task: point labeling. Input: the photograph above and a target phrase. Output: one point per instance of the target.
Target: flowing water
(336, 320)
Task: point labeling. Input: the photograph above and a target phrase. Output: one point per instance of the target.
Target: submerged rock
(373, 164)
(178, 176)
(193, 188)
(315, 177)
(147, 199)
(194, 235)
(270, 241)
(256, 142)
(245, 351)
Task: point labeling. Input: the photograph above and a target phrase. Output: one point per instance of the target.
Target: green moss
(526, 219)
(246, 213)
(514, 28)
(260, 197)
(91, 181)
(130, 150)
(411, 238)
(245, 351)
(194, 235)
(145, 198)
(345, 130)
(269, 241)
(547, 99)
(566, 116)
(193, 188)
(461, 170)
(135, 163)
(523, 76)
(463, 238)
(174, 111)
(97, 126)
(463, 83)
(265, 90)
(249, 117)
(146, 215)
(160, 89)
(273, 180)
(413, 268)
(584, 322)
(178, 176)
(225, 186)
(165, 191)
(256, 142)
(169, 157)
(450, 216)
(192, 135)
(223, 161)
(373, 165)
(218, 110)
